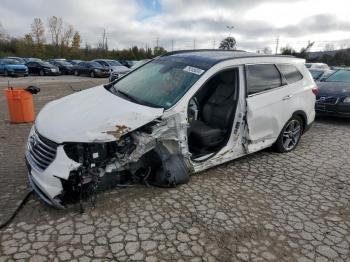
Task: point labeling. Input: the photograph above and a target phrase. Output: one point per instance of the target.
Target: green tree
(76, 40)
(229, 43)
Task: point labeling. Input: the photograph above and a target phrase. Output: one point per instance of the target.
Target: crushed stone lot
(263, 207)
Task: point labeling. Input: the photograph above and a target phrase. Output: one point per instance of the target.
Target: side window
(262, 77)
(290, 72)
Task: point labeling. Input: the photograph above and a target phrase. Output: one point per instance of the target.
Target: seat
(210, 131)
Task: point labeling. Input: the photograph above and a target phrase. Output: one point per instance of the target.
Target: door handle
(287, 97)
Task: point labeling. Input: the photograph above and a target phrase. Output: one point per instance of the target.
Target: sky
(188, 24)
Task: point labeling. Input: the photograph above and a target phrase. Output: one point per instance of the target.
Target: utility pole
(277, 43)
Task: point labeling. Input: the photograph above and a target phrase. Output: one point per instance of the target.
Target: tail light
(315, 90)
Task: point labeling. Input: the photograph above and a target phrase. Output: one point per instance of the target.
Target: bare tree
(38, 31)
(329, 47)
(56, 28)
(67, 35)
(266, 50)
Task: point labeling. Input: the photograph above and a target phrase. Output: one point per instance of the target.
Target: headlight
(347, 100)
(97, 70)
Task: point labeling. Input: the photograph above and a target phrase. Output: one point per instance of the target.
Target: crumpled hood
(339, 89)
(92, 115)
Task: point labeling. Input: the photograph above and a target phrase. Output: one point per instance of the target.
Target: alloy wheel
(291, 134)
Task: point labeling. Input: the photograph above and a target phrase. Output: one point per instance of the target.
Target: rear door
(269, 105)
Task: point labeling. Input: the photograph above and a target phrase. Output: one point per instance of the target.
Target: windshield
(160, 83)
(113, 63)
(11, 62)
(94, 64)
(64, 63)
(339, 76)
(44, 64)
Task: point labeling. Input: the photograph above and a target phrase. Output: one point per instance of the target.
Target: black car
(65, 67)
(333, 98)
(92, 69)
(320, 74)
(42, 68)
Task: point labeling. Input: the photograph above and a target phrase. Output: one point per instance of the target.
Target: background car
(128, 63)
(42, 68)
(29, 59)
(18, 59)
(320, 74)
(74, 61)
(113, 65)
(65, 67)
(317, 65)
(92, 69)
(334, 95)
(11, 67)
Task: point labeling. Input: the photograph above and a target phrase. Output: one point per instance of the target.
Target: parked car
(42, 68)
(65, 67)
(128, 63)
(317, 65)
(114, 66)
(74, 61)
(319, 74)
(11, 67)
(115, 75)
(29, 59)
(334, 95)
(20, 60)
(181, 113)
(92, 69)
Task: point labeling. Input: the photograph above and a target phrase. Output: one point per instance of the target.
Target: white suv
(181, 113)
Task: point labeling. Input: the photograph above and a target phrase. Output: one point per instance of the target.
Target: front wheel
(76, 73)
(92, 74)
(290, 135)
(41, 73)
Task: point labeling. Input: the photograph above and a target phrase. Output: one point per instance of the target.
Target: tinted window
(262, 77)
(291, 73)
(339, 76)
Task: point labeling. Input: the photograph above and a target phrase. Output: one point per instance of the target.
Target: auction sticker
(193, 70)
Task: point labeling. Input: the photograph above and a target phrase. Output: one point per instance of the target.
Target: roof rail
(200, 50)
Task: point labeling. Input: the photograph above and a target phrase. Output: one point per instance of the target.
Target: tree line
(64, 41)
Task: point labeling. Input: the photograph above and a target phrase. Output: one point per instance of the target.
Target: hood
(120, 69)
(338, 89)
(92, 115)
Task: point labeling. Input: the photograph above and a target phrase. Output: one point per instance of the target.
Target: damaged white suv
(178, 114)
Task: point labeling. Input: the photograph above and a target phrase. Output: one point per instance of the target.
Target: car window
(81, 64)
(308, 65)
(262, 77)
(316, 74)
(290, 72)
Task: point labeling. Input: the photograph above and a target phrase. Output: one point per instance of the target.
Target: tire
(92, 74)
(41, 73)
(290, 135)
(76, 73)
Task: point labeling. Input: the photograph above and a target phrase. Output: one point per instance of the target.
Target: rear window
(262, 77)
(290, 72)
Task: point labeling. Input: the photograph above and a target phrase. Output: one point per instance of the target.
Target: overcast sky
(202, 23)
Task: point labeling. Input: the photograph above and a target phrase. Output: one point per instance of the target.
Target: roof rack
(200, 50)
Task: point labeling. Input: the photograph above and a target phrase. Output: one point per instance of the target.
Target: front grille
(330, 100)
(41, 151)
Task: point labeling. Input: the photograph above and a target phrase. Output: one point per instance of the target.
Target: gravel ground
(263, 207)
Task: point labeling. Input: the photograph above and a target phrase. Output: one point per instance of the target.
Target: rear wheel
(92, 74)
(290, 135)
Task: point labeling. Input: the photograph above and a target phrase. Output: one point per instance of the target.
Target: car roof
(210, 57)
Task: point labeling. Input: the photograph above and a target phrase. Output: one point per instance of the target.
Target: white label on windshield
(193, 70)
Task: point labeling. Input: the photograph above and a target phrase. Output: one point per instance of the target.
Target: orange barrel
(20, 105)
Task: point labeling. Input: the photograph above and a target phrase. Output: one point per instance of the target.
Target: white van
(178, 114)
